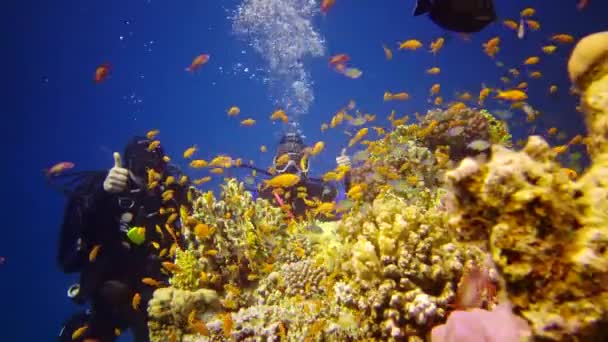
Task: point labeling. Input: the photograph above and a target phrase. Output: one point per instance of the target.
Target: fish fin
(422, 6)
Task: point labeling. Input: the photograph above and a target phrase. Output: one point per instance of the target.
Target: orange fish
(59, 168)
(433, 71)
(411, 44)
(197, 62)
(248, 122)
(326, 5)
(582, 4)
(101, 73)
(576, 140)
(534, 25)
(562, 38)
(94, 252)
(532, 60)
(136, 301)
(437, 45)
(491, 47)
(151, 282)
(387, 52)
(510, 24)
(339, 59)
(552, 131)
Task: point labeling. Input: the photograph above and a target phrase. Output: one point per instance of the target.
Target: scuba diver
(108, 235)
(291, 158)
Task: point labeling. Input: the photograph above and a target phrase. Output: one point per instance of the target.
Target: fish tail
(422, 6)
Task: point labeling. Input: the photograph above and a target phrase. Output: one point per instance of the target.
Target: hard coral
(402, 268)
(457, 129)
(169, 309)
(527, 211)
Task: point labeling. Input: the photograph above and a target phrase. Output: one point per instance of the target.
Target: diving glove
(343, 159)
(116, 180)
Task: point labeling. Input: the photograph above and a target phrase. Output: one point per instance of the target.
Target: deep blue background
(52, 111)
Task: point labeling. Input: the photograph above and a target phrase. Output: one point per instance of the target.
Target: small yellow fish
(153, 145)
(183, 180)
(279, 115)
(263, 148)
(549, 49)
(411, 44)
(189, 152)
(562, 38)
(233, 111)
(217, 171)
(198, 163)
(437, 45)
(528, 12)
(248, 122)
(512, 95)
(285, 180)
(387, 52)
(534, 25)
(491, 46)
(151, 282)
(396, 96)
(79, 332)
(433, 71)
(201, 180)
(553, 89)
(152, 134)
(169, 266)
(522, 85)
(94, 252)
(169, 180)
(319, 146)
(536, 74)
(510, 24)
(532, 60)
(136, 301)
(435, 88)
(360, 134)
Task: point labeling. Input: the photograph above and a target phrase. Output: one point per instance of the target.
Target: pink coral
(477, 325)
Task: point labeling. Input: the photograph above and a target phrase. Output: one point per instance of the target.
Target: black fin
(422, 6)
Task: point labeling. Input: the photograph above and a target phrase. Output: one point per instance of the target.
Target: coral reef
(456, 128)
(408, 255)
(527, 211)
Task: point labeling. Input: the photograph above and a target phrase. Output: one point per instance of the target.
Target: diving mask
(296, 164)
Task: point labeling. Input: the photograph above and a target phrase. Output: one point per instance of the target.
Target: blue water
(52, 111)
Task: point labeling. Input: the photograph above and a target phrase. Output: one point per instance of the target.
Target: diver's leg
(86, 327)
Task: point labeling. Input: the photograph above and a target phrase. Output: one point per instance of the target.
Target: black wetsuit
(110, 281)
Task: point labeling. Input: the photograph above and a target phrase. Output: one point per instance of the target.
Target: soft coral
(478, 325)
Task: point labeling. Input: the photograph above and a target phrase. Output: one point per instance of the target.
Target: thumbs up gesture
(116, 180)
(343, 159)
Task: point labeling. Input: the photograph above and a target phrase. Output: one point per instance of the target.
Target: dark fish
(467, 16)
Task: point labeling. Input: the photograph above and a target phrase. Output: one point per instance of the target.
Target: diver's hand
(117, 178)
(343, 159)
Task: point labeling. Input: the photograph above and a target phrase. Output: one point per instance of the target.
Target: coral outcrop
(547, 234)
